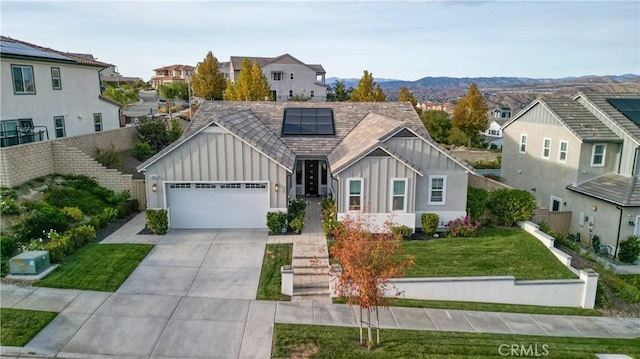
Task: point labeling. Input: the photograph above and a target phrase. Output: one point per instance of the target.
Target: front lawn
(100, 267)
(18, 326)
(309, 341)
(275, 256)
(496, 251)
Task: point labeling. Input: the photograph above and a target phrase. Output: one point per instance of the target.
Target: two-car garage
(217, 205)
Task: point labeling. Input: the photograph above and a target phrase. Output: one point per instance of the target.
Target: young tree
(470, 114)
(438, 125)
(207, 81)
(252, 84)
(170, 92)
(368, 261)
(368, 90)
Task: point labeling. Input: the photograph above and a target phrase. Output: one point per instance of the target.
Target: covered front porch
(312, 178)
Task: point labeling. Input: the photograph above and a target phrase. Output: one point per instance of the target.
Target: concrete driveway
(189, 298)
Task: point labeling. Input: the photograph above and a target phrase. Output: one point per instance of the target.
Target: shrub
(8, 193)
(8, 206)
(176, 131)
(297, 206)
(476, 202)
(128, 207)
(429, 223)
(463, 227)
(401, 232)
(8, 246)
(142, 151)
(297, 223)
(81, 235)
(59, 247)
(73, 213)
(629, 250)
(90, 185)
(329, 216)
(33, 223)
(154, 132)
(511, 205)
(109, 158)
(73, 197)
(33, 245)
(102, 219)
(276, 221)
(157, 221)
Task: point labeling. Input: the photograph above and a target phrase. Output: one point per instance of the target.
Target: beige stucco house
(580, 154)
(170, 74)
(239, 160)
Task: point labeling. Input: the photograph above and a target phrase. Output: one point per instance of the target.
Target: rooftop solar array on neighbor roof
(13, 48)
(628, 107)
(307, 121)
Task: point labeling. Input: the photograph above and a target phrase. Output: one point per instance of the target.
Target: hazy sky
(404, 40)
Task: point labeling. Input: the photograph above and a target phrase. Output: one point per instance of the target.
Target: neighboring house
(170, 74)
(239, 160)
(501, 112)
(47, 94)
(288, 77)
(493, 133)
(111, 76)
(580, 154)
(431, 106)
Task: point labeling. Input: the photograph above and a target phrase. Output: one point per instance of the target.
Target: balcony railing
(20, 136)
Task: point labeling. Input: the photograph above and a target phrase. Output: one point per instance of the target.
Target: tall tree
(438, 125)
(340, 92)
(406, 95)
(252, 84)
(368, 90)
(470, 114)
(208, 82)
(170, 92)
(368, 261)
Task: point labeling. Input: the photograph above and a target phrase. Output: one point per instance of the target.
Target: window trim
(444, 190)
(593, 154)
(97, 123)
(55, 126)
(566, 151)
(59, 78)
(404, 196)
(274, 73)
(291, 77)
(354, 179)
(523, 136)
(13, 80)
(546, 148)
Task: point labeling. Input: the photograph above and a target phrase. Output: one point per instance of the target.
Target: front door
(311, 177)
(556, 204)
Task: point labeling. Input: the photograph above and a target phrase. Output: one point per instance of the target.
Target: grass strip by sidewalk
(275, 256)
(309, 341)
(18, 326)
(485, 307)
(99, 267)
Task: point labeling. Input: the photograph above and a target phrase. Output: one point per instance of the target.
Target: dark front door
(311, 178)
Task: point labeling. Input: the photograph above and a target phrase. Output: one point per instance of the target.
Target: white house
(47, 94)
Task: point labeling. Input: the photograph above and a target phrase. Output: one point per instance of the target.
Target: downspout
(615, 251)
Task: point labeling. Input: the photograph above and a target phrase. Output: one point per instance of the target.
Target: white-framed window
(56, 80)
(23, 81)
(290, 93)
(97, 121)
(313, 93)
(58, 124)
(523, 143)
(555, 204)
(354, 194)
(399, 194)
(437, 190)
(292, 75)
(562, 153)
(276, 76)
(546, 148)
(598, 155)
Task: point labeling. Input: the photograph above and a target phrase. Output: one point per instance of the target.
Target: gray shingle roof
(600, 101)
(579, 120)
(617, 189)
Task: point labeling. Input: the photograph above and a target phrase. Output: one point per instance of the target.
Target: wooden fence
(139, 192)
(559, 221)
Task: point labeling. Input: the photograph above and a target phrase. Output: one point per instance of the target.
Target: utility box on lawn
(29, 263)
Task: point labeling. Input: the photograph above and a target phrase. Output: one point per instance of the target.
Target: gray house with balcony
(237, 161)
(580, 154)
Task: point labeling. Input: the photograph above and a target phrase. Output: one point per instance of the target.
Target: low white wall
(286, 273)
(376, 221)
(548, 241)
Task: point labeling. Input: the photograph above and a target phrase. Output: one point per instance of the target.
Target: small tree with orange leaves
(368, 261)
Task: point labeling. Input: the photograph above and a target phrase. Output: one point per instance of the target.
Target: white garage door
(218, 205)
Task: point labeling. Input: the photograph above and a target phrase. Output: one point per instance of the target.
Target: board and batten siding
(376, 173)
(215, 155)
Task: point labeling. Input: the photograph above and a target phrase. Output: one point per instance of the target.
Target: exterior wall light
(276, 187)
(154, 188)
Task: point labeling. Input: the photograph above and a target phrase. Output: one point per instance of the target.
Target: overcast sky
(393, 39)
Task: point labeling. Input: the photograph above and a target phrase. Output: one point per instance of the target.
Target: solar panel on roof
(13, 48)
(307, 121)
(629, 107)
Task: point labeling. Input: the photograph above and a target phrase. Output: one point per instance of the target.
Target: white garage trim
(219, 204)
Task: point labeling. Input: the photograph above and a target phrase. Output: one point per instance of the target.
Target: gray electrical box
(29, 263)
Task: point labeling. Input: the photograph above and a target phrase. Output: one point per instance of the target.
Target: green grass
(275, 256)
(341, 342)
(486, 307)
(100, 267)
(633, 279)
(18, 326)
(497, 251)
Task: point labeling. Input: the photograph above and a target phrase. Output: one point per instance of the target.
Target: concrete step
(310, 291)
(302, 285)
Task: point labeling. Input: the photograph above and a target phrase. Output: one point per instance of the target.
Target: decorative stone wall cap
(590, 272)
(286, 268)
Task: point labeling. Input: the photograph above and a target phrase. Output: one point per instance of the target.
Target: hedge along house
(239, 160)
